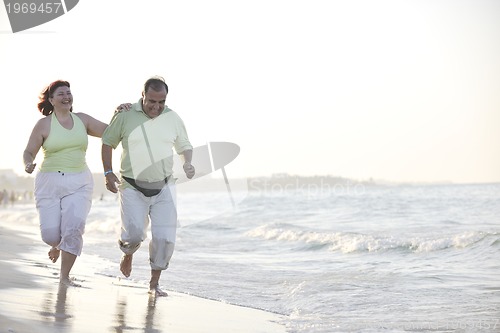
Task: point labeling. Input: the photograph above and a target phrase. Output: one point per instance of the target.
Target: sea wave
(348, 242)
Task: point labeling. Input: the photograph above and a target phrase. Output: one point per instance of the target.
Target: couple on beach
(148, 131)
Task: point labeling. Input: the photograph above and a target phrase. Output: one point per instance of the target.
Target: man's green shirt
(147, 142)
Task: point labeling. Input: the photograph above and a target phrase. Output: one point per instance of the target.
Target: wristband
(107, 172)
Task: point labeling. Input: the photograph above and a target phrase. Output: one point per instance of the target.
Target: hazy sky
(394, 90)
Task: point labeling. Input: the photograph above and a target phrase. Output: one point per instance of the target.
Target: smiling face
(62, 99)
(153, 102)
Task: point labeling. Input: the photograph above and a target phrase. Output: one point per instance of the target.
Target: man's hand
(111, 181)
(189, 170)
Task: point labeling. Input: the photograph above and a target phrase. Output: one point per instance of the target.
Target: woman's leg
(48, 206)
(75, 208)
(54, 253)
(67, 261)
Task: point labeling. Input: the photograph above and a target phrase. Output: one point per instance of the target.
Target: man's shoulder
(171, 113)
(128, 114)
(137, 106)
(168, 110)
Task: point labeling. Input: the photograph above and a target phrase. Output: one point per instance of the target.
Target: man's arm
(187, 155)
(107, 158)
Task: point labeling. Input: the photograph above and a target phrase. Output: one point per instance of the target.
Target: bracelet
(107, 172)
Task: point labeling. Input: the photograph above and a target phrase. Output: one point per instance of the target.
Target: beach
(33, 300)
(312, 258)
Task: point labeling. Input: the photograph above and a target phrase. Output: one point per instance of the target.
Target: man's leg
(126, 264)
(134, 207)
(163, 231)
(154, 284)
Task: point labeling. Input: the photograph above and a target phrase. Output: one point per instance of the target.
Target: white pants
(63, 201)
(136, 212)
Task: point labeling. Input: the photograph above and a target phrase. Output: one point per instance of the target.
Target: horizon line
(284, 175)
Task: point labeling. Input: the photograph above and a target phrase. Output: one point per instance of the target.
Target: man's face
(153, 102)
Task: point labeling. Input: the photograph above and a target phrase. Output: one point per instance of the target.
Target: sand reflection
(125, 321)
(61, 311)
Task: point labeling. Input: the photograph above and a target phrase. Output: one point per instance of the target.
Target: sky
(386, 90)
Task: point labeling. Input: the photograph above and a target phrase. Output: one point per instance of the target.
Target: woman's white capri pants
(63, 201)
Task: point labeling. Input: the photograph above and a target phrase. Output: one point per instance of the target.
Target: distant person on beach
(148, 132)
(64, 183)
(13, 197)
(5, 197)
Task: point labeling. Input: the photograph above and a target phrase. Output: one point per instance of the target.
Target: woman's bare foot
(157, 292)
(69, 282)
(126, 265)
(54, 254)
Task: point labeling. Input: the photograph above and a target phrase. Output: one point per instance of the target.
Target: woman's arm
(38, 135)
(94, 126)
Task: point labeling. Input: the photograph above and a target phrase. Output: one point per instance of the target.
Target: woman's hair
(156, 83)
(44, 105)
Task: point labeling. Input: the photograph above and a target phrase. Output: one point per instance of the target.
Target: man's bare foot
(54, 254)
(157, 292)
(126, 264)
(69, 282)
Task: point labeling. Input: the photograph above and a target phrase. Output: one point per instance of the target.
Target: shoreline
(33, 300)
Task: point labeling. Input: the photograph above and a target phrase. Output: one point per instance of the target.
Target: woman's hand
(122, 107)
(29, 167)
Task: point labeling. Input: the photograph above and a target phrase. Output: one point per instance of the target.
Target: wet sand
(32, 300)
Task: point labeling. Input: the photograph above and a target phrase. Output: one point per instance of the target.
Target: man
(147, 132)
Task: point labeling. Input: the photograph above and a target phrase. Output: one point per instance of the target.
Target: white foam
(356, 242)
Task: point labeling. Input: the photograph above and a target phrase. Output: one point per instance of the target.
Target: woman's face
(62, 98)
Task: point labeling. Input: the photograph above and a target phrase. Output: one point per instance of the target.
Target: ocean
(365, 258)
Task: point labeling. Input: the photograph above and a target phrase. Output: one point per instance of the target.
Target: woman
(64, 183)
